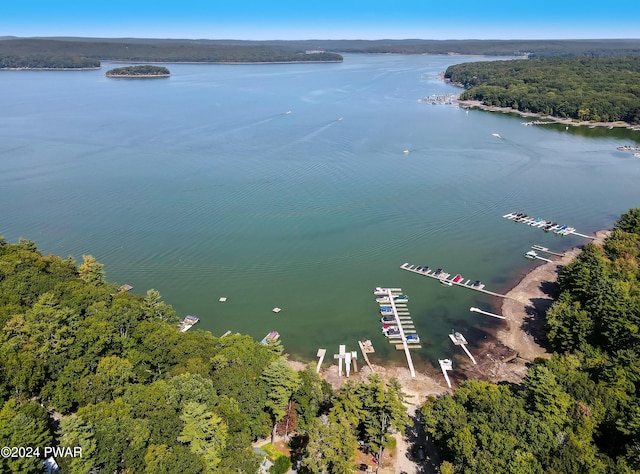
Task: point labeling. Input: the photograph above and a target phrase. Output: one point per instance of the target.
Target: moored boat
(412, 338)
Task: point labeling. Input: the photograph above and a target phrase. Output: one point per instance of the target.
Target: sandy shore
(567, 121)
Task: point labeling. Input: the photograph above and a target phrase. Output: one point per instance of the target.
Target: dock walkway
(443, 277)
(366, 347)
(390, 294)
(548, 226)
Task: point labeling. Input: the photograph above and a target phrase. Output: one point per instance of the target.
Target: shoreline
(525, 308)
(504, 355)
(476, 104)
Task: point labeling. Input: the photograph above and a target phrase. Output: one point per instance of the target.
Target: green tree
(90, 270)
(75, 432)
(630, 221)
(204, 433)
(331, 449)
(282, 381)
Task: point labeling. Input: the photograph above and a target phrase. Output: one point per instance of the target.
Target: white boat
(531, 255)
(383, 299)
(276, 310)
(496, 135)
(446, 282)
(378, 291)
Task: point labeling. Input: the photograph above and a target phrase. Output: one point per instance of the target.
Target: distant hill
(86, 52)
(204, 50)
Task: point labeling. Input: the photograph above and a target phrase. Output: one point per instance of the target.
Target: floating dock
(459, 340)
(478, 310)
(442, 276)
(548, 226)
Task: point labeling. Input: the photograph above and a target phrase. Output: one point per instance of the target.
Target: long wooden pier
(540, 248)
(442, 276)
(392, 303)
(548, 226)
(446, 365)
(478, 310)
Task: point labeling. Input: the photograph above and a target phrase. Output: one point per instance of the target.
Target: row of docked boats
(547, 226)
(443, 276)
(387, 298)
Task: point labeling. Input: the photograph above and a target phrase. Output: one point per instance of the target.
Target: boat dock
(320, 355)
(366, 348)
(459, 340)
(399, 310)
(272, 336)
(187, 323)
(547, 226)
(478, 310)
(539, 248)
(343, 355)
(442, 276)
(446, 365)
(532, 255)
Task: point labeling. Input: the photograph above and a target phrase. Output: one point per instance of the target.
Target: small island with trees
(145, 71)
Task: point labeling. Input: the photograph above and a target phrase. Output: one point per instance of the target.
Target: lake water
(202, 185)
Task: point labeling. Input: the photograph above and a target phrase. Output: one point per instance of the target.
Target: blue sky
(321, 19)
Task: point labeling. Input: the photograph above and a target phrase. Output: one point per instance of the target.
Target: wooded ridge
(594, 89)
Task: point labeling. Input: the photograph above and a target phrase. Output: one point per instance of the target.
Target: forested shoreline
(44, 53)
(585, 89)
(68, 53)
(86, 364)
(578, 411)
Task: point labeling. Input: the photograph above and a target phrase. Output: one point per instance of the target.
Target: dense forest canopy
(531, 48)
(40, 61)
(44, 52)
(595, 89)
(85, 363)
(578, 411)
(161, 51)
(144, 70)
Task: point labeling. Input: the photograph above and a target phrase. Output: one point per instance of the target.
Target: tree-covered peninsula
(167, 51)
(139, 71)
(585, 89)
(41, 61)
